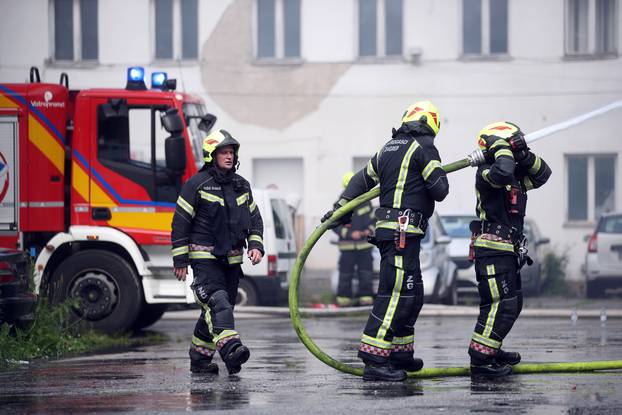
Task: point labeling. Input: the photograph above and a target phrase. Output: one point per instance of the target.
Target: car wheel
(434, 298)
(451, 298)
(106, 286)
(594, 290)
(247, 293)
(149, 314)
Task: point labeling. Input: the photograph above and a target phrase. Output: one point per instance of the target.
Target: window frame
(76, 36)
(279, 57)
(485, 33)
(381, 35)
(145, 174)
(591, 52)
(591, 219)
(177, 34)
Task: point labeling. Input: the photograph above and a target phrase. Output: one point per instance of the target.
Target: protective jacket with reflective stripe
(219, 215)
(497, 202)
(362, 220)
(408, 169)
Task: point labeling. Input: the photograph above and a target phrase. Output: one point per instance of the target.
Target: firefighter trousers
(389, 331)
(215, 288)
(353, 261)
(501, 301)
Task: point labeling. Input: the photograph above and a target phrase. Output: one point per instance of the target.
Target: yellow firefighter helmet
(216, 140)
(423, 112)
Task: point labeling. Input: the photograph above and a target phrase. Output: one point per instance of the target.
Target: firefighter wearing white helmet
(215, 219)
(499, 246)
(355, 255)
(408, 170)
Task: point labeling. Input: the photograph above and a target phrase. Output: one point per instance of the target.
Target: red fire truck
(88, 185)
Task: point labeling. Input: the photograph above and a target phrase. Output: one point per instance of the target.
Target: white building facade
(312, 88)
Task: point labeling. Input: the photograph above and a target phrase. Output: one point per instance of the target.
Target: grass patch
(51, 335)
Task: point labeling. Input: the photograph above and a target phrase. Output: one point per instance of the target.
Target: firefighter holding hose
(408, 170)
(498, 244)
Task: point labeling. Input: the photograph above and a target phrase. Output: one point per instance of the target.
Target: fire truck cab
(88, 185)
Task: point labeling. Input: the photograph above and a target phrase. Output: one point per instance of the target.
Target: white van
(267, 283)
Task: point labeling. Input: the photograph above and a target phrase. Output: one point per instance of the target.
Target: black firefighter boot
(489, 367)
(200, 363)
(376, 372)
(405, 361)
(510, 358)
(235, 358)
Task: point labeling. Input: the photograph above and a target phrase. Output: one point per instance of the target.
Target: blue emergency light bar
(136, 78)
(158, 79)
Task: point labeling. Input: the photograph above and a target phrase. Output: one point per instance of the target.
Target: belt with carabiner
(404, 218)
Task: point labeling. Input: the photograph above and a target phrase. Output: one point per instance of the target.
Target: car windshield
(282, 219)
(457, 226)
(610, 224)
(196, 135)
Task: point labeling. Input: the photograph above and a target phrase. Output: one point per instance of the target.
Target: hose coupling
(476, 158)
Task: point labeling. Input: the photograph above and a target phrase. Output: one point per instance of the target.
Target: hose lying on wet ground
(424, 373)
(431, 372)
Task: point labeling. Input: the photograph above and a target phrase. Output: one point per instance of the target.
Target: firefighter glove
(518, 143)
(521, 155)
(345, 219)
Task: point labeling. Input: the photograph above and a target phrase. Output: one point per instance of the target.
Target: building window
(380, 28)
(75, 30)
(591, 27)
(591, 186)
(278, 29)
(484, 27)
(176, 29)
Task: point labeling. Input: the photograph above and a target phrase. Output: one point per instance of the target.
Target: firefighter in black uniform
(499, 246)
(214, 219)
(356, 254)
(411, 178)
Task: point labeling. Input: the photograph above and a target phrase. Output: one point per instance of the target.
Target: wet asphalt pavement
(282, 377)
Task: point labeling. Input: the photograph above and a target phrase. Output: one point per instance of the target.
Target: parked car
(603, 260)
(17, 301)
(267, 283)
(457, 226)
(437, 270)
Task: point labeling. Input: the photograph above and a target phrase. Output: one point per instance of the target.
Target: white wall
(327, 26)
(23, 36)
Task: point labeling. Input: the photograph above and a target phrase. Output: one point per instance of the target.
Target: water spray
(474, 159)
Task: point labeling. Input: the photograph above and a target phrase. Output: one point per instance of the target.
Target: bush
(554, 268)
(51, 335)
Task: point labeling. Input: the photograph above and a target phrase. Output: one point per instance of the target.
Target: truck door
(9, 209)
(130, 187)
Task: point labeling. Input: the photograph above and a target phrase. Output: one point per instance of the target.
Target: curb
(429, 310)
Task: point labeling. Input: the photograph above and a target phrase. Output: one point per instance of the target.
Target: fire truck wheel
(106, 286)
(247, 293)
(149, 314)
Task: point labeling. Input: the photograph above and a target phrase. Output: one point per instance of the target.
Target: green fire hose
(424, 373)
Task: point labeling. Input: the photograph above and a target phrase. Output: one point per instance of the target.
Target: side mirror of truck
(207, 122)
(171, 121)
(175, 153)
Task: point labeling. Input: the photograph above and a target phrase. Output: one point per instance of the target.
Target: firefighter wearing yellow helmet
(499, 246)
(215, 219)
(355, 255)
(408, 170)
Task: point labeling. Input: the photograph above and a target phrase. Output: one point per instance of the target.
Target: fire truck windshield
(195, 134)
